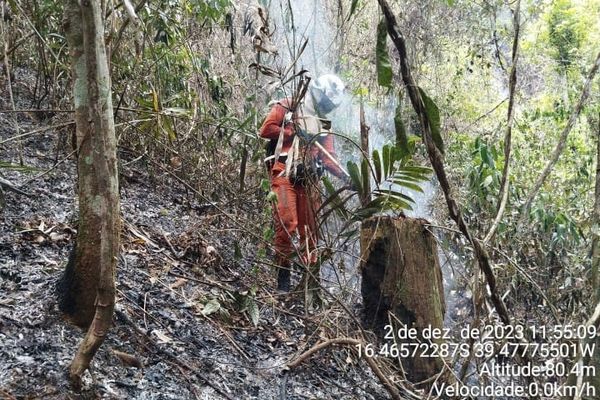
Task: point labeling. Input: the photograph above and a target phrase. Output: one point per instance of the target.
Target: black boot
(283, 279)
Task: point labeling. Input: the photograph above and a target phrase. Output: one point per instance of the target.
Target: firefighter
(300, 148)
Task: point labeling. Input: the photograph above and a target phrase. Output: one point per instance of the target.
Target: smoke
(313, 20)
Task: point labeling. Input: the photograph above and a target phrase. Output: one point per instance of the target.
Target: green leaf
(394, 200)
(486, 156)
(416, 169)
(383, 65)
(355, 177)
(365, 175)
(408, 185)
(394, 193)
(352, 8)
(401, 137)
(377, 166)
(433, 115)
(265, 185)
(334, 199)
(406, 178)
(386, 161)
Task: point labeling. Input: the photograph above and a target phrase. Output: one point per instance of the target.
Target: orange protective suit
(296, 203)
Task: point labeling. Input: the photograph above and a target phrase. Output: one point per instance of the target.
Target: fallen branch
(562, 141)
(353, 343)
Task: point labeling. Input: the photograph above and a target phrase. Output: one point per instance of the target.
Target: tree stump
(401, 275)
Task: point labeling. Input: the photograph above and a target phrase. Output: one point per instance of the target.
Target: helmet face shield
(328, 91)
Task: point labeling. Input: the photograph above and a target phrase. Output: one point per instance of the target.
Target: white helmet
(327, 91)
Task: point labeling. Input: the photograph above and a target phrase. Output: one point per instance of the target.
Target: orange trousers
(295, 212)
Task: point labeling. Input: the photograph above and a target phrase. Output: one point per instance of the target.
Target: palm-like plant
(389, 171)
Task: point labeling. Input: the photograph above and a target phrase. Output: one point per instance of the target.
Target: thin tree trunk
(503, 198)
(562, 141)
(438, 164)
(99, 222)
(78, 284)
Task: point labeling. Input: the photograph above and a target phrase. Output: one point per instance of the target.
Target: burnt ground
(182, 296)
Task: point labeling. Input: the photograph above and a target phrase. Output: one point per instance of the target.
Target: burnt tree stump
(401, 275)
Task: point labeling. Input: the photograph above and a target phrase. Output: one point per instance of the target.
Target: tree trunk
(87, 288)
(78, 284)
(401, 275)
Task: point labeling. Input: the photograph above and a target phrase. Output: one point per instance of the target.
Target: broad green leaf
(433, 115)
(408, 185)
(382, 58)
(377, 166)
(486, 156)
(265, 185)
(401, 137)
(386, 161)
(415, 168)
(394, 193)
(355, 176)
(396, 180)
(396, 202)
(334, 198)
(365, 175)
(352, 8)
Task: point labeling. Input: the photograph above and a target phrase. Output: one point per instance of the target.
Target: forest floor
(179, 289)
